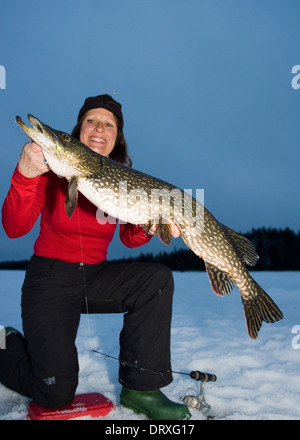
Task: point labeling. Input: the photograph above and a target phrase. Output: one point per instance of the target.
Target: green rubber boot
(154, 404)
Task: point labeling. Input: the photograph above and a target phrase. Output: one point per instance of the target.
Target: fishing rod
(196, 375)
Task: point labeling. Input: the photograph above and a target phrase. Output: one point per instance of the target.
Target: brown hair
(120, 151)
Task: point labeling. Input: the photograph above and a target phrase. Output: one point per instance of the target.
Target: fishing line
(84, 279)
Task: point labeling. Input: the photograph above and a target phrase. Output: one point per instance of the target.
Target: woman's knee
(53, 393)
(165, 278)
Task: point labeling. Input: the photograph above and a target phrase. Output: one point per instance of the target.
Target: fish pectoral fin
(220, 281)
(243, 246)
(71, 197)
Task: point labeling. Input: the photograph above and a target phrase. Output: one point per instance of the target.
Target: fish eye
(66, 137)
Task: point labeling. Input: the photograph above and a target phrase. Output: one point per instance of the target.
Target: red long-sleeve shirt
(80, 238)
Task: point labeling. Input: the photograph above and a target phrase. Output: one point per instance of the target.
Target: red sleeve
(23, 204)
(133, 235)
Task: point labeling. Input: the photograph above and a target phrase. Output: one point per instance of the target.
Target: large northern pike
(135, 197)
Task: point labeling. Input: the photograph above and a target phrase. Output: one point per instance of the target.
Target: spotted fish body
(138, 198)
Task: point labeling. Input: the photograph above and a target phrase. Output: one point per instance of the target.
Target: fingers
(31, 162)
(175, 230)
(32, 147)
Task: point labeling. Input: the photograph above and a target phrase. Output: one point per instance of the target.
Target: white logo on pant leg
(49, 380)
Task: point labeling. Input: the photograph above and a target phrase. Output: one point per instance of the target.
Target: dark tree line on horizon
(278, 249)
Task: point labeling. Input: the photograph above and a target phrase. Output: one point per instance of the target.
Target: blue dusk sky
(209, 95)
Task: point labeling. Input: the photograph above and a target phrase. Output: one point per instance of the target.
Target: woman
(68, 275)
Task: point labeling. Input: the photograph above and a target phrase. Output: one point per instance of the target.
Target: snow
(256, 380)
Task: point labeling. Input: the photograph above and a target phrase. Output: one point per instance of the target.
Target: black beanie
(102, 101)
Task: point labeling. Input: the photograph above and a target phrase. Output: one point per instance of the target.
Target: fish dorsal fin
(72, 196)
(243, 246)
(220, 281)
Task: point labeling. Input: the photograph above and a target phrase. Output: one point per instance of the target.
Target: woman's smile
(99, 131)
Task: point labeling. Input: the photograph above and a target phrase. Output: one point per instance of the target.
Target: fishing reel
(198, 401)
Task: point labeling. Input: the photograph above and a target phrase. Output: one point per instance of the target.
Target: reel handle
(203, 377)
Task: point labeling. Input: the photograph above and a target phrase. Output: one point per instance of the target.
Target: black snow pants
(43, 364)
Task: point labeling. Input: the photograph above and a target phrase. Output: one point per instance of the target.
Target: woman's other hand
(175, 232)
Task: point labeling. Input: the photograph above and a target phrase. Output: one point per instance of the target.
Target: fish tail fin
(258, 307)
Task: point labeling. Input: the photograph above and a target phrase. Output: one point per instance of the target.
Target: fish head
(65, 155)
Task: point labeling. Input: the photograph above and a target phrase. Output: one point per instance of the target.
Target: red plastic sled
(89, 404)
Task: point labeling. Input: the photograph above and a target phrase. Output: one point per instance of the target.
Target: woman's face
(99, 131)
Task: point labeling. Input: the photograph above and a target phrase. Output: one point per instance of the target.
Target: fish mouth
(38, 132)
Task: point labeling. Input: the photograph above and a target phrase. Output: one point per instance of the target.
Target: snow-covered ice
(256, 380)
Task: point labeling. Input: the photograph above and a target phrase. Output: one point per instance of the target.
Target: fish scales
(138, 198)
